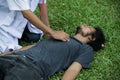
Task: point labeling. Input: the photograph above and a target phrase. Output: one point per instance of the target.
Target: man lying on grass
(39, 61)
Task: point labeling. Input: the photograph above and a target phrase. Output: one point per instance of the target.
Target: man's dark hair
(99, 41)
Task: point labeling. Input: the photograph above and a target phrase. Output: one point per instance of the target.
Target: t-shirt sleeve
(41, 1)
(18, 4)
(85, 56)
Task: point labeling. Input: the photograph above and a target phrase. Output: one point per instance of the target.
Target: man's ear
(93, 39)
(90, 38)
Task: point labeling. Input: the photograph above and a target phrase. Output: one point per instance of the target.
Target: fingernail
(68, 40)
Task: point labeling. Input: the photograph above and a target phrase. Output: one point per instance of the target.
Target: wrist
(52, 32)
(49, 32)
(48, 25)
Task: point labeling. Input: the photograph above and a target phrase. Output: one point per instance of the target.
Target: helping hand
(60, 35)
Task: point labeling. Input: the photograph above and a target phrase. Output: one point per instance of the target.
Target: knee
(31, 37)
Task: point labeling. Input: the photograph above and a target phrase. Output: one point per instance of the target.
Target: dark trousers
(29, 36)
(1, 75)
(18, 67)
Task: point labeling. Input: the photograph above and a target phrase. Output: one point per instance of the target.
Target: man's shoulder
(87, 47)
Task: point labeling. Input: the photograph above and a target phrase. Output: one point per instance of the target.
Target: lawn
(68, 14)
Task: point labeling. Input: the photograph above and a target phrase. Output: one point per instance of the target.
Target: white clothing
(8, 42)
(12, 22)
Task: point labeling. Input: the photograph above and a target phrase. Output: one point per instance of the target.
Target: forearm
(44, 14)
(29, 15)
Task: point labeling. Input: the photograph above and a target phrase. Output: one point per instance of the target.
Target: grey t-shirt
(53, 55)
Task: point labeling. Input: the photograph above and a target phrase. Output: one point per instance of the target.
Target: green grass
(68, 14)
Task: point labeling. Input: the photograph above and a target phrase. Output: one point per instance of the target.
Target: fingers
(64, 36)
(61, 35)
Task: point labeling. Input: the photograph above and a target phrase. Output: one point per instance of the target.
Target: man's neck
(80, 38)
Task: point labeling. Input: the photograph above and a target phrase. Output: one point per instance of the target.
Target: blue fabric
(19, 67)
(53, 55)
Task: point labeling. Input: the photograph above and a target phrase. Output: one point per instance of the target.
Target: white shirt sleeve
(18, 4)
(40, 1)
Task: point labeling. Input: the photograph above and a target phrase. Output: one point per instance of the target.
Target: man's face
(86, 30)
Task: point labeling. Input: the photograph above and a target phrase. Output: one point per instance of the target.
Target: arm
(44, 16)
(29, 15)
(72, 72)
(21, 49)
